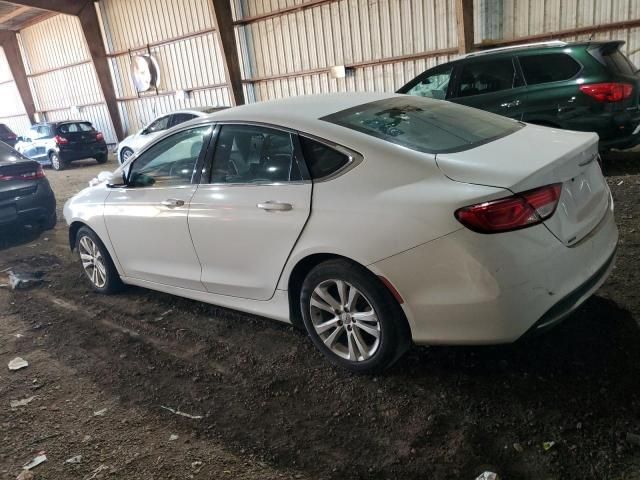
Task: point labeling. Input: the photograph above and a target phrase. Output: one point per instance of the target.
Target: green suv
(588, 86)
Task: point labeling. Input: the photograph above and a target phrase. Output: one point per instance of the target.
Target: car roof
(293, 112)
(539, 45)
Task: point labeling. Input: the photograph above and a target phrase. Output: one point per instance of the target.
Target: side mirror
(20, 138)
(144, 131)
(116, 179)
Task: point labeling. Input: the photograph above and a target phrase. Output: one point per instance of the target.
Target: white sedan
(134, 143)
(374, 220)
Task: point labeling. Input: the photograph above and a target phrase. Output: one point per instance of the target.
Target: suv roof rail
(550, 43)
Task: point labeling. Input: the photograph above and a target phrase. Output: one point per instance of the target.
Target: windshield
(425, 125)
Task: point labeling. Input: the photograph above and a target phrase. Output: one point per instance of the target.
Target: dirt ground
(101, 369)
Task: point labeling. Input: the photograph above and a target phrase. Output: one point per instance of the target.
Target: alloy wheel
(92, 261)
(55, 161)
(345, 320)
(126, 155)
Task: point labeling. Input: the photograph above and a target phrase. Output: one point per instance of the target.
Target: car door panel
(147, 220)
(244, 232)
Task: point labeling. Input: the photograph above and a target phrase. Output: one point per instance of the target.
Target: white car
(374, 220)
(134, 143)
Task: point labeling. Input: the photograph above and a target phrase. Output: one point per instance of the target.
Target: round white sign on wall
(145, 72)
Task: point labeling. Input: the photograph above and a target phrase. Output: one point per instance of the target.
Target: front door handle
(272, 206)
(172, 202)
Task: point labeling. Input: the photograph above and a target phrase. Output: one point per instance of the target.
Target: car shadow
(599, 340)
(14, 236)
(618, 163)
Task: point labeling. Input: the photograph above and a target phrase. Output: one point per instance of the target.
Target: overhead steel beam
(9, 42)
(92, 33)
(68, 7)
(464, 21)
(226, 31)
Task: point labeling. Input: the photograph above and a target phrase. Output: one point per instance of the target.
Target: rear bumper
(82, 152)
(472, 289)
(37, 208)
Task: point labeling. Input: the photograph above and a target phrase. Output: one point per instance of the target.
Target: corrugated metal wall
(181, 37)
(510, 19)
(12, 111)
(357, 33)
(61, 75)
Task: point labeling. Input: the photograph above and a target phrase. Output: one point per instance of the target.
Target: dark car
(588, 86)
(59, 143)
(25, 195)
(7, 136)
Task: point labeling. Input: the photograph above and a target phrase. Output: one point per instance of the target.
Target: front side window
(160, 124)
(488, 76)
(170, 162)
(434, 85)
(551, 67)
(252, 154)
(425, 125)
(75, 127)
(321, 159)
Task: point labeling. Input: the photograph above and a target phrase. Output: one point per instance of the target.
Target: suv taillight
(99, 136)
(60, 140)
(608, 92)
(512, 213)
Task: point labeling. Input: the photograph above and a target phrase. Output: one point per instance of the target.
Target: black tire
(393, 333)
(102, 158)
(112, 282)
(56, 162)
(123, 153)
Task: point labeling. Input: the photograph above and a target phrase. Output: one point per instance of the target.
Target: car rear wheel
(97, 263)
(56, 161)
(102, 158)
(125, 154)
(352, 318)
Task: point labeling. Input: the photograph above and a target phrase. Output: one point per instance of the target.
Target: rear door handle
(172, 202)
(515, 103)
(272, 206)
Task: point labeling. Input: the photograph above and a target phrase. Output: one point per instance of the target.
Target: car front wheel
(125, 154)
(97, 263)
(352, 318)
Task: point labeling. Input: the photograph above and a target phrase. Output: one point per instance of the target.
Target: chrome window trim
(354, 158)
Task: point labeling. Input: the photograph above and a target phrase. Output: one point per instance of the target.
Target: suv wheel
(352, 318)
(97, 263)
(102, 158)
(56, 161)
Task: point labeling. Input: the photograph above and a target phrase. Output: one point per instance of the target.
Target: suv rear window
(617, 62)
(550, 67)
(425, 125)
(75, 127)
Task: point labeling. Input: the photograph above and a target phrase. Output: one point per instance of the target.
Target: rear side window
(487, 77)
(75, 127)
(179, 118)
(425, 125)
(617, 62)
(551, 67)
(321, 159)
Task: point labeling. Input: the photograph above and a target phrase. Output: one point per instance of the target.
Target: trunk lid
(536, 156)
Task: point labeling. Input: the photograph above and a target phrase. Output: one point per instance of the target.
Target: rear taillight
(512, 213)
(29, 175)
(608, 92)
(61, 140)
(99, 136)
(11, 136)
